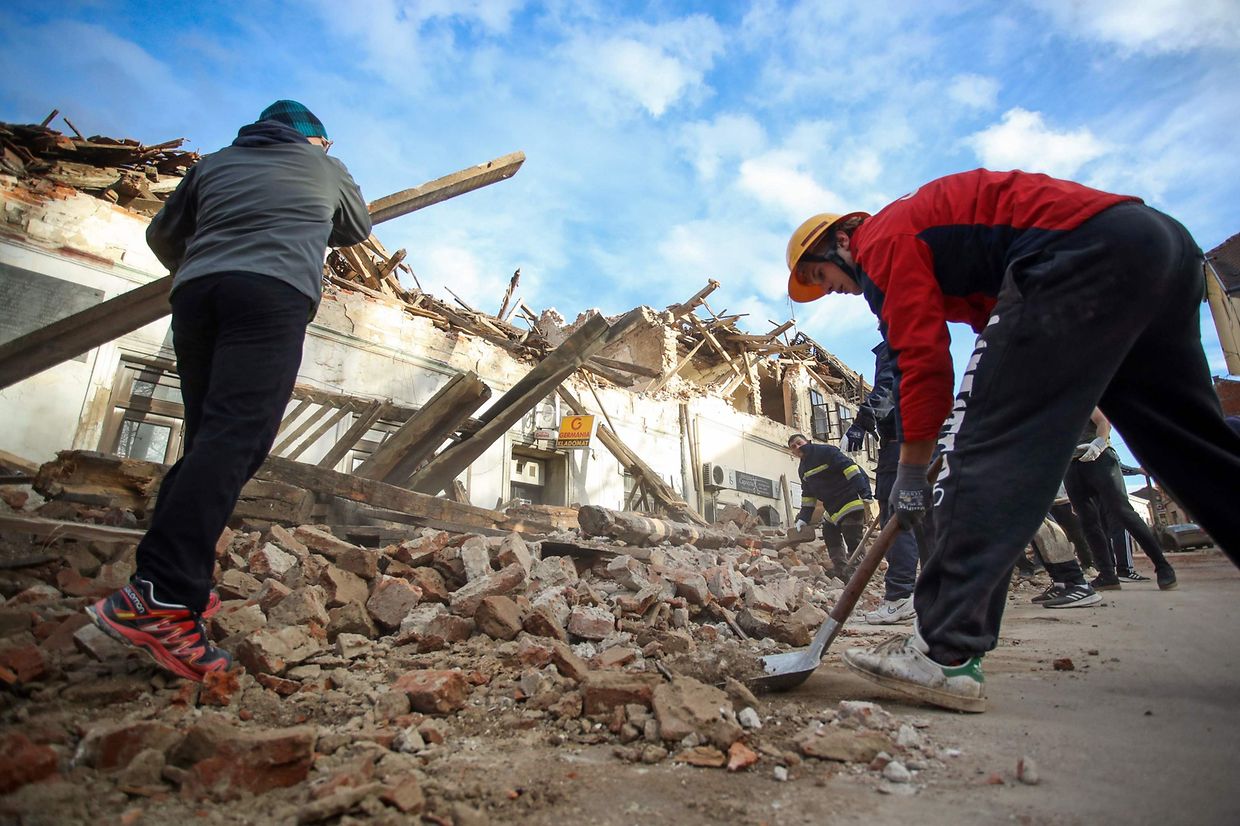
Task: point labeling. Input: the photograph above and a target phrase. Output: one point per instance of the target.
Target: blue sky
(667, 142)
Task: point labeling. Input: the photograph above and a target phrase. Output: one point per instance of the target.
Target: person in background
(876, 416)
(829, 476)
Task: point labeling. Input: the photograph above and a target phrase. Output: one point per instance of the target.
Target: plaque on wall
(30, 300)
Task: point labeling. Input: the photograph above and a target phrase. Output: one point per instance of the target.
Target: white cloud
(1022, 140)
(710, 144)
(654, 67)
(974, 91)
(776, 180)
(1151, 26)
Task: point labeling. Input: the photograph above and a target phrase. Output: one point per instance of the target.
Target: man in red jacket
(1081, 299)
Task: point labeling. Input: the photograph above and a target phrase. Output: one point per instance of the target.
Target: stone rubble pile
(361, 670)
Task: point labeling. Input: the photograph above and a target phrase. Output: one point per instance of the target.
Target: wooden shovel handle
(869, 564)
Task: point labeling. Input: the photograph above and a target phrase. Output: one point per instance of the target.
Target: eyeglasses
(327, 145)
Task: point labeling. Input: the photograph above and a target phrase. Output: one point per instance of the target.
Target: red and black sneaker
(172, 634)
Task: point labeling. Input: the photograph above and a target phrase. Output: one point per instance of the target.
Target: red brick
(25, 660)
(498, 617)
(434, 692)
(603, 691)
(22, 762)
(391, 600)
(219, 688)
(113, 746)
(223, 761)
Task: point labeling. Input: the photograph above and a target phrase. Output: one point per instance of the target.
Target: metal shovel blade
(791, 668)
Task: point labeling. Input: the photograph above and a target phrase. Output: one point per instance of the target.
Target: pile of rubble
(361, 671)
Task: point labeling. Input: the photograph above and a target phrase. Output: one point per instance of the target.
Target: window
(820, 424)
(147, 419)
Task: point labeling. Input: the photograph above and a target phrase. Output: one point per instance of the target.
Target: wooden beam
(714, 342)
(419, 437)
(677, 310)
(626, 367)
(535, 386)
(449, 186)
(298, 431)
(320, 431)
(378, 494)
(74, 335)
(58, 529)
(512, 285)
(366, 419)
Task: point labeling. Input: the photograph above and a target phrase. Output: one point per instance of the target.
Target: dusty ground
(1147, 730)
(1142, 730)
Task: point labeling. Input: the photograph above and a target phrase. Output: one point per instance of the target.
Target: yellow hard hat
(803, 239)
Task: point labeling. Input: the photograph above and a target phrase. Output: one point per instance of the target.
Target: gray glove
(856, 438)
(911, 495)
(800, 525)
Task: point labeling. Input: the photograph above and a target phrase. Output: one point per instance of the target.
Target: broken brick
(219, 688)
(222, 761)
(499, 618)
(391, 600)
(467, 599)
(22, 762)
(112, 746)
(591, 623)
(603, 691)
(540, 623)
(434, 692)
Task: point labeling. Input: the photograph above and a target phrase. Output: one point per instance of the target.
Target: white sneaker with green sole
(902, 664)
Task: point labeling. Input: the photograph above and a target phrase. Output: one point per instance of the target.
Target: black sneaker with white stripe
(1074, 596)
(1053, 590)
(1132, 576)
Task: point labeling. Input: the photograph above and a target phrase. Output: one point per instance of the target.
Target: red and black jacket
(940, 254)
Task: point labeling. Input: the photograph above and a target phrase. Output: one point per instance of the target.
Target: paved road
(1147, 730)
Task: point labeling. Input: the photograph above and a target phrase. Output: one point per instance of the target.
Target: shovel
(790, 669)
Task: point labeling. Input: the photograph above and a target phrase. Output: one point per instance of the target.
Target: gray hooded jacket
(269, 204)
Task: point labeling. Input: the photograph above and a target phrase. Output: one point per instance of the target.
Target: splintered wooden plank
(379, 494)
(57, 529)
(395, 460)
(365, 421)
(76, 334)
(449, 186)
(319, 432)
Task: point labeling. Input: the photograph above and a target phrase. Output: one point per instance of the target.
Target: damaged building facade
(687, 395)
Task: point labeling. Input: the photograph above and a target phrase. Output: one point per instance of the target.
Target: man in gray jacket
(244, 235)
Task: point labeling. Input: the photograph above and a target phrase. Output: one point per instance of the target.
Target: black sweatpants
(238, 339)
(1100, 483)
(903, 555)
(1106, 315)
(1067, 518)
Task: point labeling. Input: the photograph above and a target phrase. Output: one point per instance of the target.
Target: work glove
(1093, 449)
(856, 438)
(800, 525)
(911, 495)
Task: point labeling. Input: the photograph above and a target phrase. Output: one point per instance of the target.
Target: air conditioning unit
(718, 477)
(527, 471)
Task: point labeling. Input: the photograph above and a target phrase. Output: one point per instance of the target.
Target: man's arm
(174, 224)
(1101, 438)
(351, 222)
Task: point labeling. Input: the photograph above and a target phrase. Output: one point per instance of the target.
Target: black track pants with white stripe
(1106, 315)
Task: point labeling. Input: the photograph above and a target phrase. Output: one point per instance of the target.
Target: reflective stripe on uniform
(855, 504)
(812, 471)
(851, 471)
